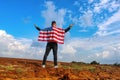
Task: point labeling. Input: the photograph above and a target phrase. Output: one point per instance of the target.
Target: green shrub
(10, 67)
(94, 63)
(19, 70)
(116, 64)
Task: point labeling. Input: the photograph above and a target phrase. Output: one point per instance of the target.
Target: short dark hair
(53, 22)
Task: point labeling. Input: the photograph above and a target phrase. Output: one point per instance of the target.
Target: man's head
(53, 23)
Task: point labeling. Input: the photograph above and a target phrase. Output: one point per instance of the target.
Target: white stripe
(45, 32)
(45, 38)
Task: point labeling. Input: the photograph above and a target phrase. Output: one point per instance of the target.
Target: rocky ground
(28, 69)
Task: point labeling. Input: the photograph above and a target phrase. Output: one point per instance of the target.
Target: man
(51, 45)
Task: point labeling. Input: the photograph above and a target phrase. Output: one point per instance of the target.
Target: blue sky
(94, 36)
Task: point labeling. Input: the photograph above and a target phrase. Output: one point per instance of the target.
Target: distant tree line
(93, 62)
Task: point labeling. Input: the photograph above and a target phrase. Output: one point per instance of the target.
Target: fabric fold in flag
(55, 35)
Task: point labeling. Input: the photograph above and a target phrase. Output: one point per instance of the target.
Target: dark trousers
(54, 47)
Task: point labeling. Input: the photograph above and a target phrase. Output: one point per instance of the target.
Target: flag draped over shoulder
(54, 35)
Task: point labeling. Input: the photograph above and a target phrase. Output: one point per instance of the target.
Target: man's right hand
(37, 27)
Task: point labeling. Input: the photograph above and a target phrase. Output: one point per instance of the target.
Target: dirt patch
(28, 69)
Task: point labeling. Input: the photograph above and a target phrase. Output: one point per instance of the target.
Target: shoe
(43, 66)
(55, 66)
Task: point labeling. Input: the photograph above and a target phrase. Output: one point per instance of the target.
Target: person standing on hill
(51, 44)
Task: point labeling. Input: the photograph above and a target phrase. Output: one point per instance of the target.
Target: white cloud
(51, 13)
(113, 6)
(8, 43)
(97, 9)
(11, 47)
(104, 54)
(106, 5)
(105, 28)
(69, 49)
(102, 5)
(86, 19)
(104, 2)
(76, 3)
(90, 1)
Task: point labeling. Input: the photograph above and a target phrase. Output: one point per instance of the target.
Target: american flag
(55, 35)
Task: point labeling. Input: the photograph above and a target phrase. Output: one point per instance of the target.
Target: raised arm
(37, 27)
(67, 29)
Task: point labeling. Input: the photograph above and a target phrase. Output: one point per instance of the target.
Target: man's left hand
(71, 25)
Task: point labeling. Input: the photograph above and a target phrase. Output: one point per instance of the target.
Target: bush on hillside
(94, 62)
(116, 64)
